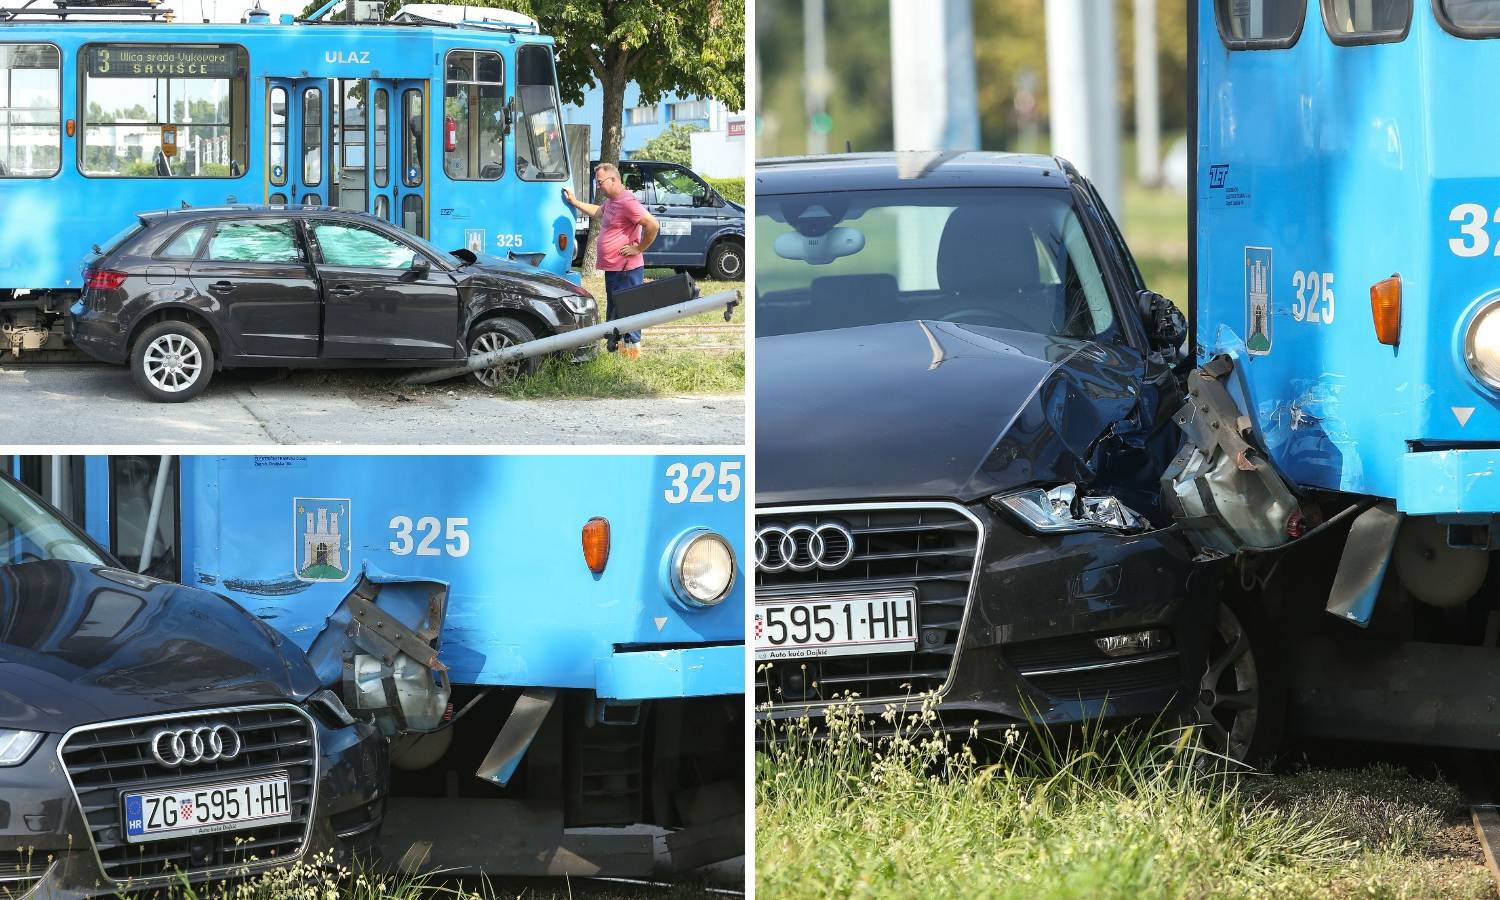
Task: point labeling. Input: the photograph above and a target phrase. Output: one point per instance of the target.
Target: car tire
(171, 362)
(1241, 702)
(726, 261)
(496, 334)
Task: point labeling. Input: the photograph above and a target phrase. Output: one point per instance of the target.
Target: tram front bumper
(1435, 482)
(676, 672)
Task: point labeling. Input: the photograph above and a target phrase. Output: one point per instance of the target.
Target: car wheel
(172, 362)
(497, 334)
(1241, 702)
(726, 262)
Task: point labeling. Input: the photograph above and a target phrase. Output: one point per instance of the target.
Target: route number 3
(697, 485)
(1313, 288)
(423, 536)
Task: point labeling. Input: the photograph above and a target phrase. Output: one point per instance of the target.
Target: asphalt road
(97, 404)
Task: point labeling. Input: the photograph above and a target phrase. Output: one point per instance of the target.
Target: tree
(692, 47)
(673, 145)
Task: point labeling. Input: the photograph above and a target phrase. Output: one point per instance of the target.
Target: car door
(682, 204)
(261, 286)
(383, 297)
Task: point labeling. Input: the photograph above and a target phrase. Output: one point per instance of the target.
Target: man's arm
(650, 228)
(587, 209)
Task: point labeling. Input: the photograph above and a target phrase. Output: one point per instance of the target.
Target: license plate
(205, 808)
(836, 625)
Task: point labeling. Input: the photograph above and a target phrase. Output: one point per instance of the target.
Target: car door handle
(343, 290)
(661, 209)
(221, 287)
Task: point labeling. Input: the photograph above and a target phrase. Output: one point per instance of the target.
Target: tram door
(350, 143)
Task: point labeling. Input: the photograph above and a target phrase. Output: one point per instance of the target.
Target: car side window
(255, 240)
(184, 245)
(348, 244)
(675, 187)
(634, 181)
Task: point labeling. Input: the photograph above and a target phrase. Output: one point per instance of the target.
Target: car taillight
(104, 279)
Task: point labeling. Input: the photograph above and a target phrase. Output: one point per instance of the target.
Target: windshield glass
(29, 532)
(1003, 257)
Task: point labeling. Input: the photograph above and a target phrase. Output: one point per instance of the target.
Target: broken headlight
(1063, 508)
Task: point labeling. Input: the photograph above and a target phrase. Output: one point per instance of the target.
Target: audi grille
(931, 548)
(103, 761)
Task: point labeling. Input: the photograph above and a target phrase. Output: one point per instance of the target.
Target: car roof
(907, 169)
(186, 213)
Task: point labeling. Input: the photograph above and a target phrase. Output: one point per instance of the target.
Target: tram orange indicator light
(596, 544)
(1385, 307)
(72, 126)
(562, 241)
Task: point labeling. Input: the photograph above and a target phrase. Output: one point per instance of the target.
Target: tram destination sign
(159, 61)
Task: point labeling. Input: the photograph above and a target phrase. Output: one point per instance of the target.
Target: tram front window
(539, 151)
(1476, 14)
(161, 111)
(474, 99)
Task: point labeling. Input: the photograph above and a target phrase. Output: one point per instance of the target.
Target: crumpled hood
(928, 409)
(82, 643)
(493, 271)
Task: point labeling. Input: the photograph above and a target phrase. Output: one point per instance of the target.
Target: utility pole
(815, 75)
(933, 92)
(1081, 79)
(1147, 97)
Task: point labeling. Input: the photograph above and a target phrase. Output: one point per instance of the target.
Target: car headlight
(16, 746)
(1064, 509)
(580, 305)
(702, 568)
(1482, 344)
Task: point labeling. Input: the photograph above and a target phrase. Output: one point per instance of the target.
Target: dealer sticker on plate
(845, 624)
(204, 808)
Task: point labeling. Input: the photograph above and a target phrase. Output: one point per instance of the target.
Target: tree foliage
(673, 145)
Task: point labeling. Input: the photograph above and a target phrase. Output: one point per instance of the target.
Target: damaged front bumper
(1029, 650)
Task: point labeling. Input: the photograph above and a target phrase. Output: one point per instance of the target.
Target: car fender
(491, 302)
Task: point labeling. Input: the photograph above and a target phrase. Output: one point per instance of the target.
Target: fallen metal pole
(581, 337)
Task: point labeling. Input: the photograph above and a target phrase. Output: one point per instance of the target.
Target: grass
(1100, 814)
(1156, 230)
(701, 354)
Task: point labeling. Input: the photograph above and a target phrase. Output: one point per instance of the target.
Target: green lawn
(1110, 815)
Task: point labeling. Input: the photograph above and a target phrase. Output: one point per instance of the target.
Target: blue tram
(1343, 439)
(588, 712)
(450, 129)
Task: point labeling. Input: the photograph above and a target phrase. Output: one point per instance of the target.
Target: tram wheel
(172, 362)
(1241, 703)
(497, 334)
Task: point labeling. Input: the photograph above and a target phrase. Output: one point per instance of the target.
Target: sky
(230, 10)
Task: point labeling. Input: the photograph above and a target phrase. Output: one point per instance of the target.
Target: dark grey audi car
(964, 399)
(151, 732)
(182, 293)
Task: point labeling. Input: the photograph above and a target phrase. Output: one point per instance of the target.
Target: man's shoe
(631, 351)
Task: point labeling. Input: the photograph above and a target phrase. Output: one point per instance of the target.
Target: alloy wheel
(1229, 694)
(494, 376)
(172, 363)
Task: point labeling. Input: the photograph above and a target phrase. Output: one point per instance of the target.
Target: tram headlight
(1482, 344)
(702, 568)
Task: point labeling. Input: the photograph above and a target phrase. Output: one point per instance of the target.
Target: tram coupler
(581, 338)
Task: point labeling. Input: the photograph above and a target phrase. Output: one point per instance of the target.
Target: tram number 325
(1314, 301)
(423, 535)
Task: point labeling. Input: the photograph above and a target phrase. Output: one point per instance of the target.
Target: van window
(1366, 21)
(30, 110)
(1259, 24)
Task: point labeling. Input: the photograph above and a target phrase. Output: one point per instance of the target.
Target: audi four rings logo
(189, 746)
(803, 547)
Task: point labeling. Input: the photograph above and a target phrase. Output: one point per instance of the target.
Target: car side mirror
(420, 268)
(1166, 327)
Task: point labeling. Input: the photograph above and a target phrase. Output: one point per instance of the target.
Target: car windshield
(28, 531)
(1004, 257)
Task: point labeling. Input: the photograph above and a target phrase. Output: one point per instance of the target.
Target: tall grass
(1097, 813)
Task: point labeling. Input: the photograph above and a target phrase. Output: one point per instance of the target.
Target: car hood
(83, 643)
(927, 409)
(496, 272)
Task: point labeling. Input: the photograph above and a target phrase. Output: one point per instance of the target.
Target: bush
(733, 189)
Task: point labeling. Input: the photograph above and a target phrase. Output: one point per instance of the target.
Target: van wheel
(172, 362)
(1241, 701)
(726, 262)
(497, 334)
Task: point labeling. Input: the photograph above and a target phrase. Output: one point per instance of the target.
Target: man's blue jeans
(619, 281)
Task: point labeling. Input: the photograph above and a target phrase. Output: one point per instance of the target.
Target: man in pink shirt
(625, 231)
